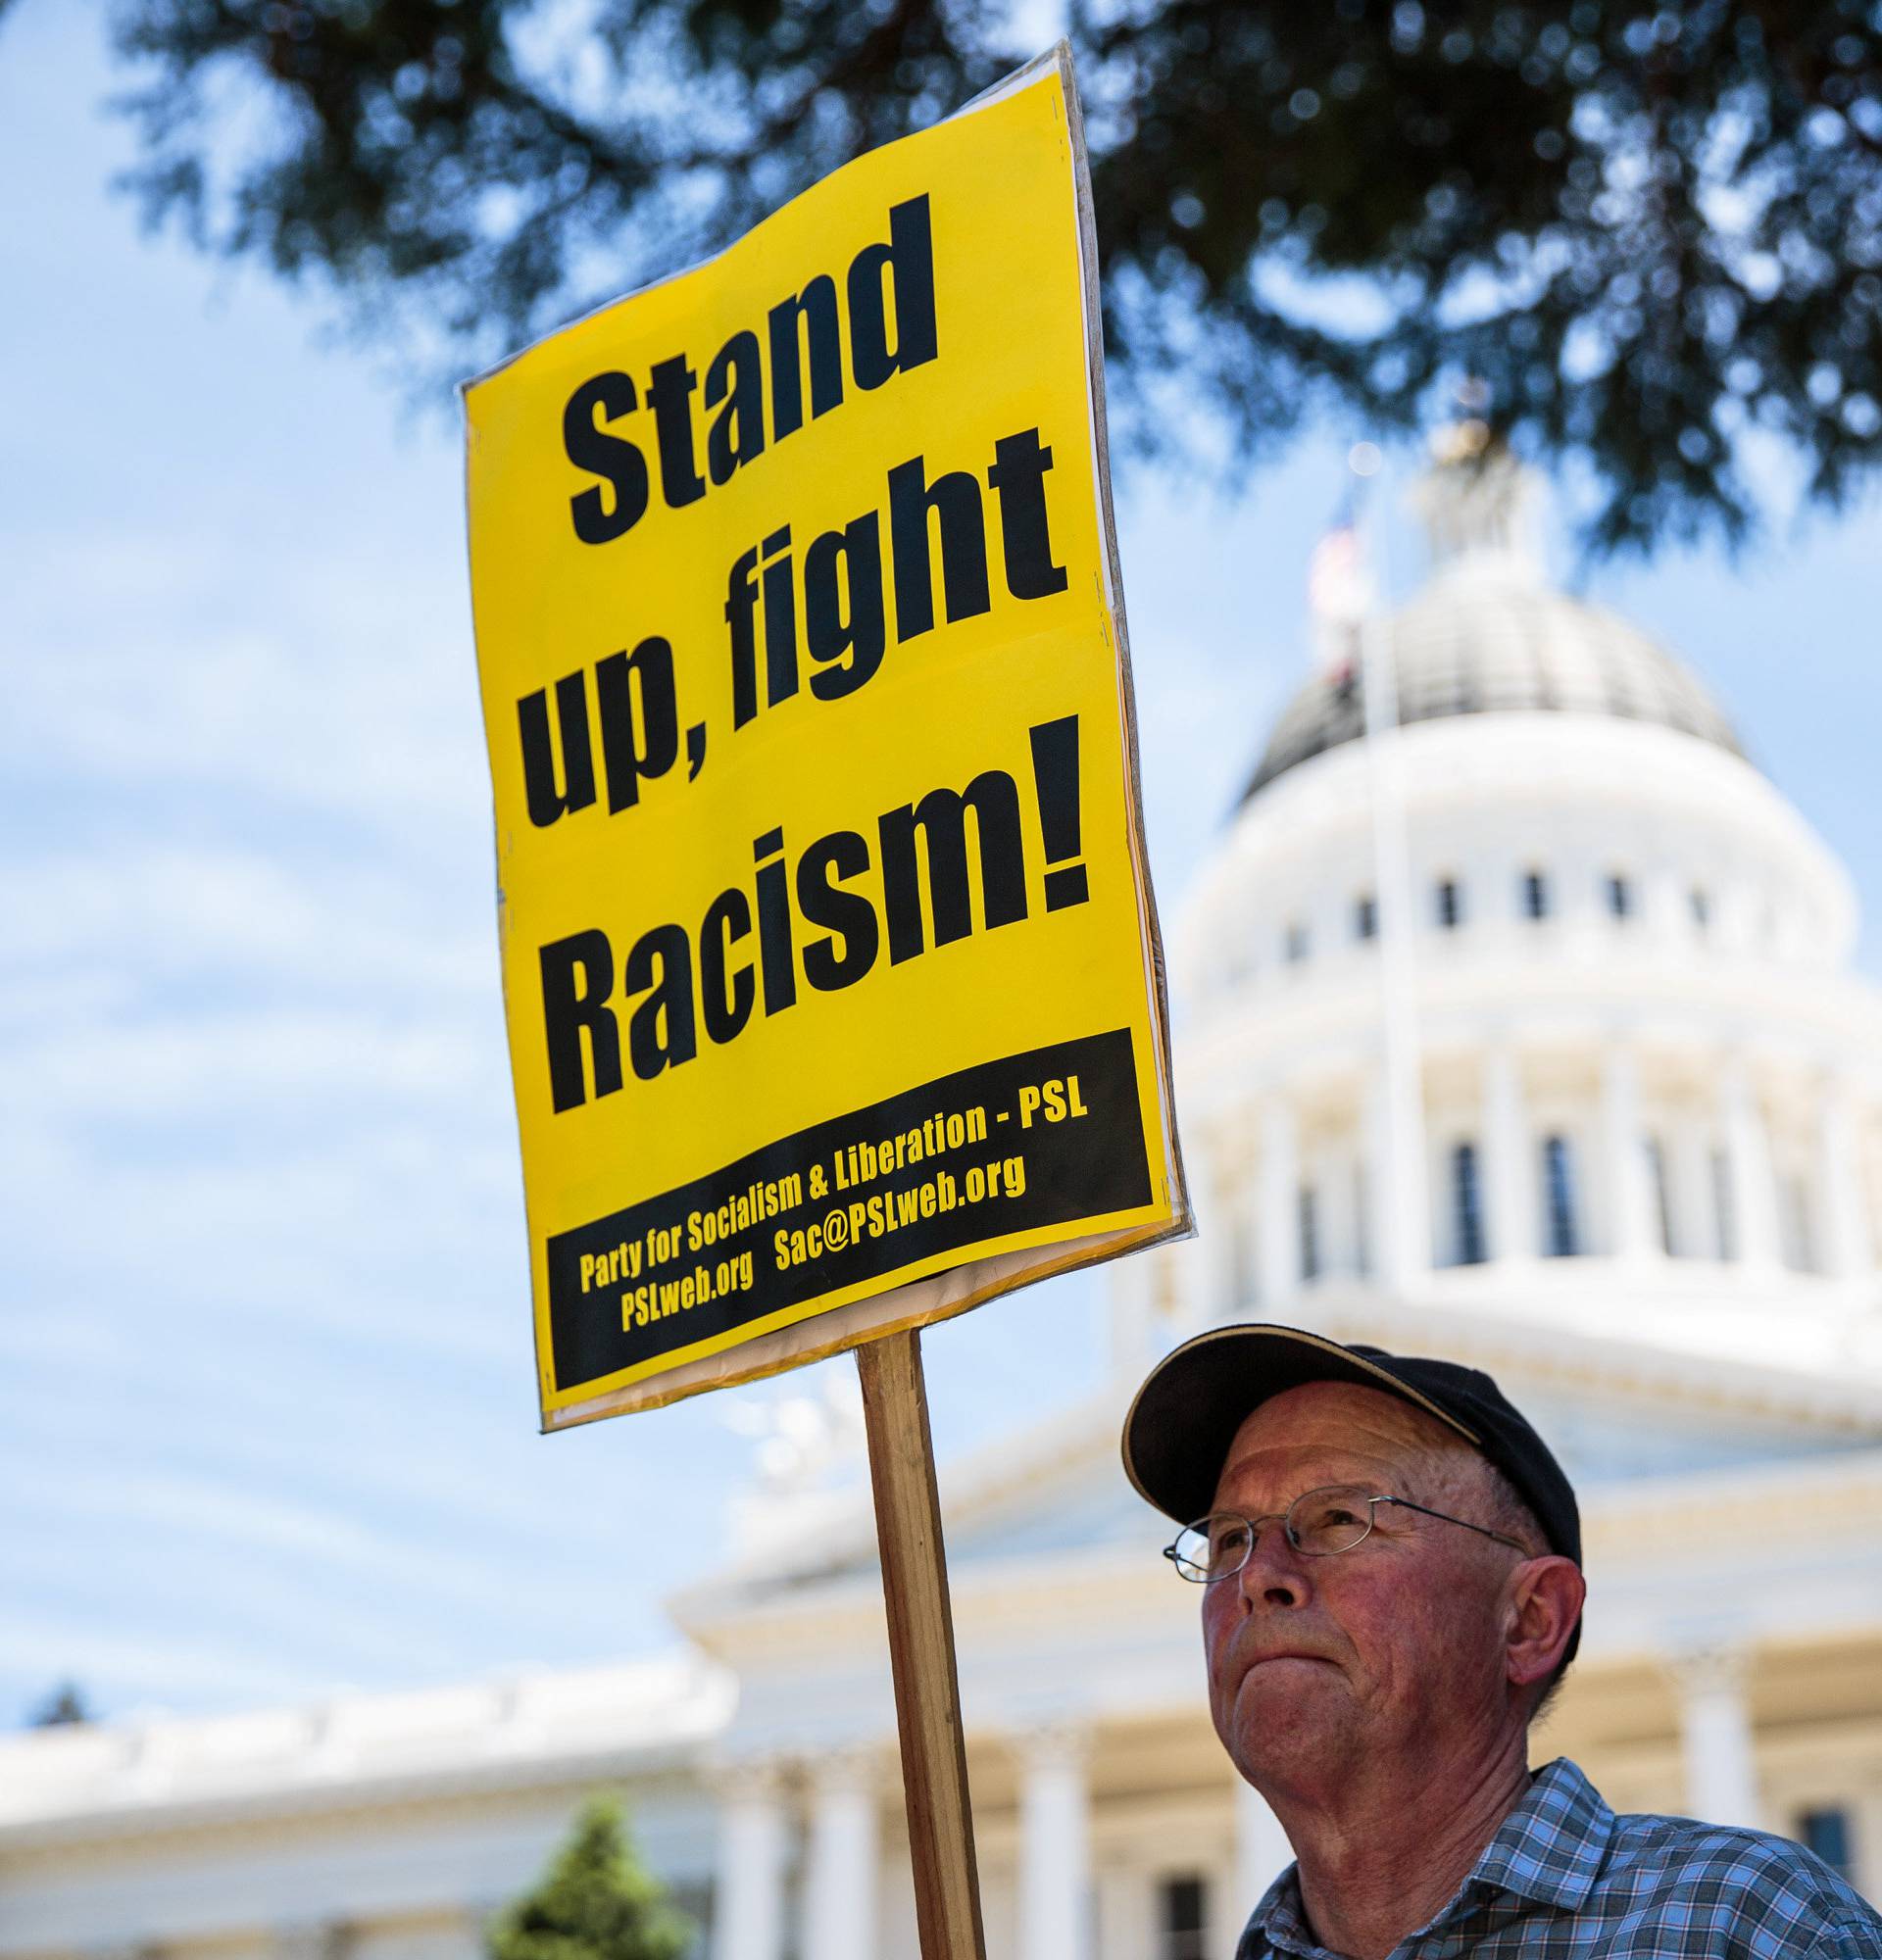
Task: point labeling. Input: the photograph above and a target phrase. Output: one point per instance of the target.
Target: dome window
(1365, 917)
(1535, 895)
(1294, 945)
(1560, 1240)
(1467, 1206)
(1620, 897)
(1185, 1917)
(1700, 901)
(1450, 904)
(1309, 1219)
(1657, 1182)
(1827, 1833)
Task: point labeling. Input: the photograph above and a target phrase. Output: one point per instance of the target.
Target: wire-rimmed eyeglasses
(1318, 1523)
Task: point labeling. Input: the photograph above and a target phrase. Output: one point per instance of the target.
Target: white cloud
(167, 907)
(348, 688)
(192, 1666)
(237, 1064)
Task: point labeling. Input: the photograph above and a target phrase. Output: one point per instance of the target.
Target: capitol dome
(1488, 636)
(1471, 644)
(1537, 978)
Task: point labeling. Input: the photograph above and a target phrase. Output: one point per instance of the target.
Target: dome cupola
(1488, 634)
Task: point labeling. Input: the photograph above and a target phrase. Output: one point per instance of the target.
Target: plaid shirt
(1564, 1879)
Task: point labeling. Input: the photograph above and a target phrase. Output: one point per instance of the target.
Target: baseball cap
(1185, 1415)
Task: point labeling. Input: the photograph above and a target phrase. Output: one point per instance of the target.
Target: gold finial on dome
(1478, 502)
(1460, 442)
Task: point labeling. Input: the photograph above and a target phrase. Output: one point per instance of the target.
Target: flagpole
(1403, 1257)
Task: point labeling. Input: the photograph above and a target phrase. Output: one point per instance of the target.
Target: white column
(1281, 1196)
(1508, 1174)
(1342, 1230)
(1403, 1205)
(1631, 1230)
(1663, 907)
(1241, 1261)
(1125, 1907)
(1849, 1254)
(1694, 1232)
(753, 1845)
(1212, 1272)
(1397, 1187)
(839, 1917)
(1748, 1154)
(1715, 1736)
(1131, 1300)
(1261, 1852)
(1055, 1845)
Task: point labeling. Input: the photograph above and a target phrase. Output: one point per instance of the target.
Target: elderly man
(1389, 1565)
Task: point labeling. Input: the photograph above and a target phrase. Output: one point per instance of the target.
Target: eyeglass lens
(1318, 1523)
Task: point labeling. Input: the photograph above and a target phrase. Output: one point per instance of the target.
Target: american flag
(1339, 593)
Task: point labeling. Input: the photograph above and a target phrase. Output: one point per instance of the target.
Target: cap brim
(1184, 1417)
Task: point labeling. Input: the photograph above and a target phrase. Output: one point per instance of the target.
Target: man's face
(1388, 1656)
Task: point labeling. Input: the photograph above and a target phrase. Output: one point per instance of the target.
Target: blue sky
(267, 1416)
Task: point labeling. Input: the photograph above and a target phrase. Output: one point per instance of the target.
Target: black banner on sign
(1032, 1139)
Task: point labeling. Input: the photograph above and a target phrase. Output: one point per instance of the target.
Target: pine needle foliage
(1649, 230)
(596, 1902)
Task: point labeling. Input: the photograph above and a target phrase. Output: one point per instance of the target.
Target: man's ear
(1545, 1595)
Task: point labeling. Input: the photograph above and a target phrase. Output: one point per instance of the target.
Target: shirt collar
(1549, 1849)
(1552, 1847)
(1279, 1919)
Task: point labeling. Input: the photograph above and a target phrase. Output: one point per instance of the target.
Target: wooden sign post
(927, 1687)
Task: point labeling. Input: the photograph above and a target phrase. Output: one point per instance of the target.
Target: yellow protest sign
(828, 950)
